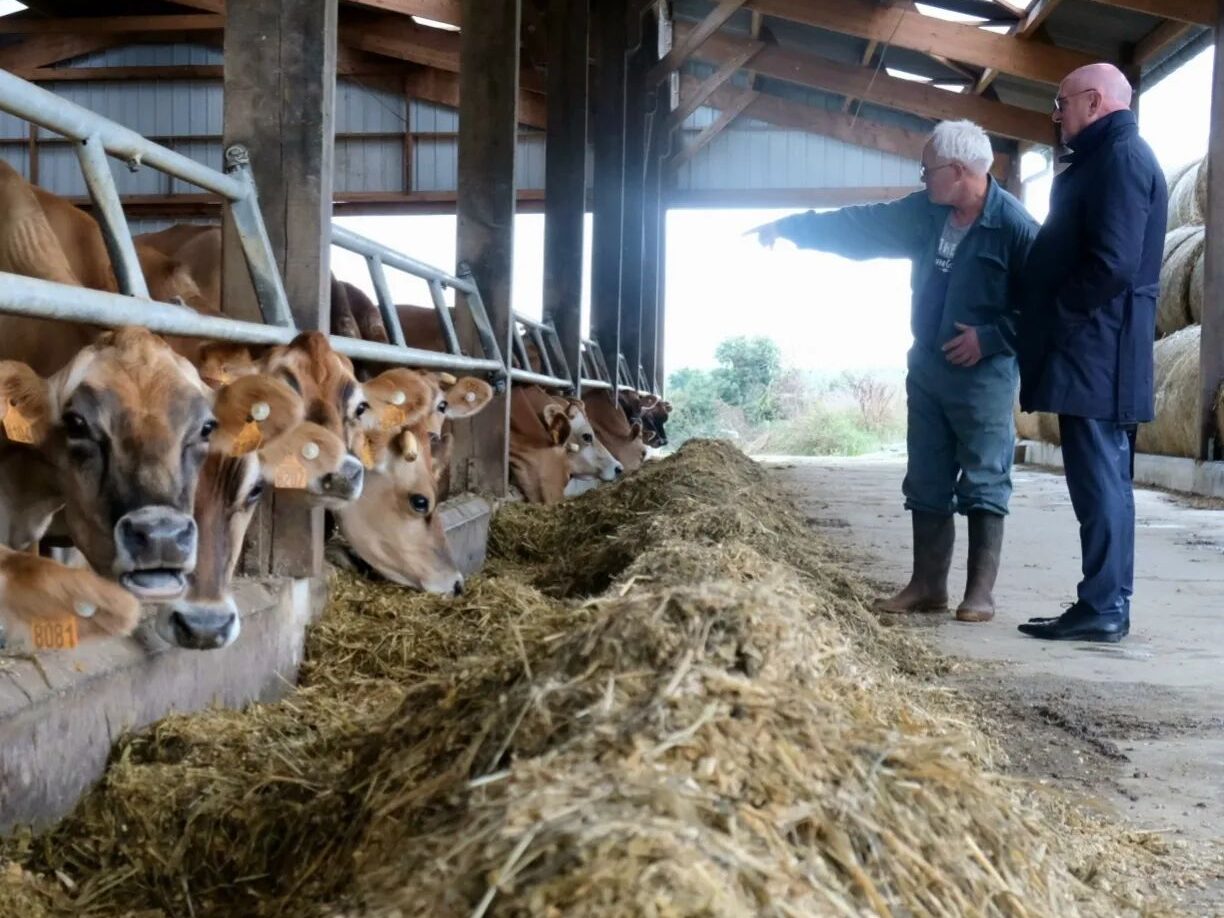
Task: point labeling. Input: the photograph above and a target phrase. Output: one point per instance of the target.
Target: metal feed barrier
(99, 137)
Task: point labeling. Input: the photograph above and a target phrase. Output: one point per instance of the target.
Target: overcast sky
(824, 311)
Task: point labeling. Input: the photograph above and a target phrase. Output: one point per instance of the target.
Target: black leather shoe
(1054, 618)
(1079, 623)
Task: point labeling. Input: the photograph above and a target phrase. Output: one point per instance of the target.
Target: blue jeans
(1098, 457)
(960, 434)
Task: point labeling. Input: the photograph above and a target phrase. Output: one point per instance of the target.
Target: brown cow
(622, 438)
(539, 464)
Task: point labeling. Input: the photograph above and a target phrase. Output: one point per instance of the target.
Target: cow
(587, 460)
(539, 463)
(650, 411)
(622, 437)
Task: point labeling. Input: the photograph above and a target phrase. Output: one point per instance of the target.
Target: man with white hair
(1086, 332)
(967, 239)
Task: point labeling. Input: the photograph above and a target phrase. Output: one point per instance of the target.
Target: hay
(1175, 430)
(1047, 424)
(667, 699)
(1027, 427)
(1194, 297)
(1200, 188)
(1183, 188)
(1183, 249)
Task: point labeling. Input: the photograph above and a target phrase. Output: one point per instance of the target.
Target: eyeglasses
(1060, 102)
(924, 173)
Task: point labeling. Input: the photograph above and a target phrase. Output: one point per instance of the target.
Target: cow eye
(588, 438)
(255, 494)
(361, 408)
(209, 427)
(75, 426)
(419, 503)
(443, 405)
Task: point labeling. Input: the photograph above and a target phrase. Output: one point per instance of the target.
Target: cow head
(325, 380)
(395, 526)
(127, 424)
(622, 437)
(654, 414)
(588, 457)
(451, 399)
(539, 460)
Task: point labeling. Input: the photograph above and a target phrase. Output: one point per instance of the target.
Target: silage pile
(665, 698)
(1179, 312)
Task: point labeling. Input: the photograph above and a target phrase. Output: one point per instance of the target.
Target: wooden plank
(683, 50)
(399, 37)
(488, 101)
(725, 117)
(565, 172)
(891, 92)
(444, 11)
(358, 64)
(442, 88)
(865, 60)
(639, 106)
(279, 102)
(706, 88)
(1160, 39)
(1036, 17)
(1211, 343)
(102, 25)
(609, 31)
(904, 28)
(788, 197)
(42, 50)
(1195, 12)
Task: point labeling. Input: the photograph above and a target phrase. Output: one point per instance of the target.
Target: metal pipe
(112, 222)
(256, 246)
(28, 296)
(445, 322)
(355, 242)
(55, 113)
(539, 379)
(385, 304)
(595, 384)
(480, 318)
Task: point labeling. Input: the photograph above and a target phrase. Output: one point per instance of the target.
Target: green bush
(823, 431)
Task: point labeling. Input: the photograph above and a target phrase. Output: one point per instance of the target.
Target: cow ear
(556, 423)
(220, 363)
(666, 406)
(635, 430)
(303, 454)
(573, 407)
(399, 398)
(25, 404)
(468, 396)
(253, 411)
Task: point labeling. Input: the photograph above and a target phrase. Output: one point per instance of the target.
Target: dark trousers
(1098, 457)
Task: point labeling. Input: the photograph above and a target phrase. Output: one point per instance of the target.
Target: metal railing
(594, 369)
(98, 137)
(624, 373)
(554, 368)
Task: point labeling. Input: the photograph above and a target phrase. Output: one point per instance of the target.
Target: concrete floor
(1139, 724)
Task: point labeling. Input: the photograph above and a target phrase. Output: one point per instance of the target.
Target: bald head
(1089, 94)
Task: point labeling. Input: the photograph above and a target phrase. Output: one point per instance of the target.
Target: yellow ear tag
(291, 474)
(392, 416)
(56, 634)
(366, 454)
(16, 427)
(248, 439)
(446, 379)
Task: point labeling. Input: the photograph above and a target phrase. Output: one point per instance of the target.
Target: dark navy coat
(1088, 319)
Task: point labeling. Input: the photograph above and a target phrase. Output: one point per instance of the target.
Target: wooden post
(638, 106)
(565, 174)
(653, 213)
(1211, 344)
(280, 82)
(609, 25)
(488, 134)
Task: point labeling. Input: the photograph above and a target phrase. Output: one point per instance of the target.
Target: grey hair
(964, 142)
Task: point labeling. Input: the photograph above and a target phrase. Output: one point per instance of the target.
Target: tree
(748, 371)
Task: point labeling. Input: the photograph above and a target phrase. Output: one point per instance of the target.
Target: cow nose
(209, 626)
(347, 482)
(618, 470)
(155, 539)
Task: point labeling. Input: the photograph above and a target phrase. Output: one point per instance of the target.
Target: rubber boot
(927, 591)
(985, 549)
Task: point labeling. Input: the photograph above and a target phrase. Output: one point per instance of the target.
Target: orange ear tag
(366, 454)
(16, 427)
(248, 439)
(291, 474)
(56, 634)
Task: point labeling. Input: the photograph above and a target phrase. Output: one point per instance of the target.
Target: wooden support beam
(610, 38)
(1160, 39)
(103, 25)
(654, 226)
(448, 12)
(1211, 342)
(442, 88)
(565, 173)
(488, 102)
(279, 101)
(891, 92)
(1024, 29)
(726, 70)
(683, 50)
(43, 50)
(639, 106)
(710, 131)
(1195, 12)
(865, 60)
(905, 28)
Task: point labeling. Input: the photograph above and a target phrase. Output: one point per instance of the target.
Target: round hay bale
(1175, 430)
(1027, 427)
(1200, 188)
(1182, 247)
(1047, 426)
(1195, 296)
(1183, 205)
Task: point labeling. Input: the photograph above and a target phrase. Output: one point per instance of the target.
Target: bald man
(1086, 329)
